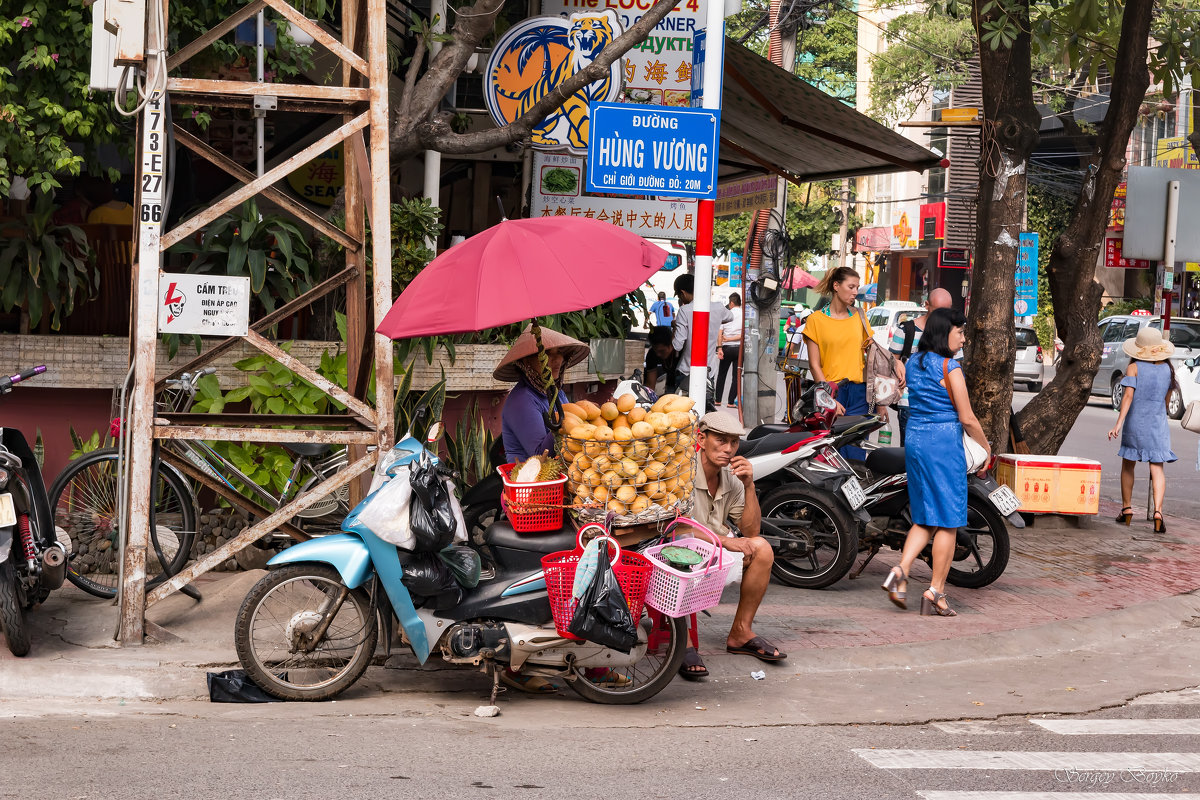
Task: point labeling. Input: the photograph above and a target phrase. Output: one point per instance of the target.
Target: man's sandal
(693, 668)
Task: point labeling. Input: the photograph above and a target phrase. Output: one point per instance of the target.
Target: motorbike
(882, 513)
(32, 562)
(308, 629)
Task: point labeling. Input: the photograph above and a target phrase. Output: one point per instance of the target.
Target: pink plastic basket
(676, 593)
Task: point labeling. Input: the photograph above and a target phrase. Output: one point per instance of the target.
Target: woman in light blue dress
(1149, 382)
(939, 411)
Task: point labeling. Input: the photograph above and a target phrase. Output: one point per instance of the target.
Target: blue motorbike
(311, 626)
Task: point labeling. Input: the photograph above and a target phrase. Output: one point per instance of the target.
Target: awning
(772, 120)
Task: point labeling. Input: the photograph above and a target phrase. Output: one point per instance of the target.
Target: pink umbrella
(519, 270)
(799, 279)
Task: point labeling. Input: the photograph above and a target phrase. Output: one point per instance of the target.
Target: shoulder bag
(976, 455)
(1191, 417)
(879, 370)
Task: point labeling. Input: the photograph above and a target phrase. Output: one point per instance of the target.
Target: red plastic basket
(533, 507)
(633, 574)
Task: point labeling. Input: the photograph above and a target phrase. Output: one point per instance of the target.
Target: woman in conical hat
(527, 409)
(1149, 382)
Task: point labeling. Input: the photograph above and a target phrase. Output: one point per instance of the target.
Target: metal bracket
(266, 102)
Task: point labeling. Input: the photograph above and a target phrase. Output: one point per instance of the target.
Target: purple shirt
(525, 430)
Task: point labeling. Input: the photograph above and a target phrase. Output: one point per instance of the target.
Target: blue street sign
(1025, 302)
(735, 270)
(699, 40)
(653, 150)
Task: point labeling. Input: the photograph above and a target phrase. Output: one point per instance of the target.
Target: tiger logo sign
(537, 55)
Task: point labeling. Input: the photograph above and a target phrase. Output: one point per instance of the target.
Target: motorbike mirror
(822, 399)
(1192, 363)
(435, 432)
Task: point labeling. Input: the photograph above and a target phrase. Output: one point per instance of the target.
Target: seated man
(660, 358)
(724, 489)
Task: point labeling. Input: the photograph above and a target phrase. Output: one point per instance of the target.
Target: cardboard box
(1052, 484)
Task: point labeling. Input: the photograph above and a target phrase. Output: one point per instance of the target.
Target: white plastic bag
(384, 512)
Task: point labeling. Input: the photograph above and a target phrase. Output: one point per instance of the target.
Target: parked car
(1027, 368)
(886, 317)
(1184, 334)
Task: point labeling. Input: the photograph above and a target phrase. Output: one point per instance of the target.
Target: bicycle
(84, 499)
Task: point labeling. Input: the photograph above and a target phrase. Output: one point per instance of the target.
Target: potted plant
(44, 267)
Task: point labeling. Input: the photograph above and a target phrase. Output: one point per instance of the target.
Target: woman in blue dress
(934, 457)
(1149, 382)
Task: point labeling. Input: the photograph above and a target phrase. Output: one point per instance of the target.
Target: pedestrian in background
(939, 412)
(904, 343)
(729, 350)
(1149, 382)
(662, 313)
(681, 336)
(835, 336)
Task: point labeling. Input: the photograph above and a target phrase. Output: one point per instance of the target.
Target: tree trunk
(1071, 273)
(1008, 136)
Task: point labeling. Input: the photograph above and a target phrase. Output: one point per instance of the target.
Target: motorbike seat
(886, 461)
(843, 424)
(501, 534)
(773, 442)
(308, 449)
(760, 431)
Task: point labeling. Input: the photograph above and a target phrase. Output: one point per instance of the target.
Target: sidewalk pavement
(1083, 617)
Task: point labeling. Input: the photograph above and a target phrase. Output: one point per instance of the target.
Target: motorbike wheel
(12, 615)
(989, 546)
(647, 677)
(285, 605)
(84, 499)
(834, 537)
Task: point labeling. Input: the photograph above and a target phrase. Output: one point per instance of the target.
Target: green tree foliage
(826, 42)
(813, 217)
(45, 102)
(1048, 213)
(925, 53)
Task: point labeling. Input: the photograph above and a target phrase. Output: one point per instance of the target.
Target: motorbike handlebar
(9, 381)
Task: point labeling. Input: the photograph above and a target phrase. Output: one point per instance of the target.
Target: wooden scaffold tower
(361, 102)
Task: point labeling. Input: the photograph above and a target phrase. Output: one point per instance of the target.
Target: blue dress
(1146, 436)
(933, 450)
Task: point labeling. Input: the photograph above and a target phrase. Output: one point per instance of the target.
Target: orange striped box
(1051, 484)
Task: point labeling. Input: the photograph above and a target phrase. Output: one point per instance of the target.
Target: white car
(886, 317)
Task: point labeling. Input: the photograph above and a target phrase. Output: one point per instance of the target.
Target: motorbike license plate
(852, 490)
(8, 514)
(1005, 501)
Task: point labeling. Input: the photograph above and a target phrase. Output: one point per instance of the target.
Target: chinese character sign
(1025, 302)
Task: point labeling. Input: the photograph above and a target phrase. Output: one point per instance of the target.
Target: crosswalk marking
(1027, 760)
(1055, 796)
(1118, 727)
(974, 727)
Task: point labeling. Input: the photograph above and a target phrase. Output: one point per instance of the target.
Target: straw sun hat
(1148, 345)
(573, 350)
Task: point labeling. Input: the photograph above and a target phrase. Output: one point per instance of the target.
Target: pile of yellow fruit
(625, 458)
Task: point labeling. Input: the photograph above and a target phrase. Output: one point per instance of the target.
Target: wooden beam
(289, 204)
(317, 32)
(232, 420)
(212, 34)
(275, 435)
(261, 528)
(330, 107)
(300, 91)
(312, 376)
(225, 493)
(283, 312)
(279, 171)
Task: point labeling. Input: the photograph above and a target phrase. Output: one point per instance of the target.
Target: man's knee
(761, 551)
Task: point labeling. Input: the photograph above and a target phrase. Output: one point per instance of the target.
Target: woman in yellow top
(835, 336)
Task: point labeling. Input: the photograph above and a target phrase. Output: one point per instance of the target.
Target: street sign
(699, 39)
(1025, 301)
(1146, 213)
(960, 114)
(653, 150)
(207, 305)
(1114, 256)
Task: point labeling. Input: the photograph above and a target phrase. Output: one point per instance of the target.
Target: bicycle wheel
(84, 499)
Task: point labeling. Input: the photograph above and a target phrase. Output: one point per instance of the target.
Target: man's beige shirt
(712, 511)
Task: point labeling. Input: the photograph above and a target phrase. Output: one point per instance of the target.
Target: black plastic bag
(431, 515)
(603, 615)
(464, 562)
(235, 686)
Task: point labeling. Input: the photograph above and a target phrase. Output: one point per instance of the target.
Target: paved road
(1146, 750)
(1088, 439)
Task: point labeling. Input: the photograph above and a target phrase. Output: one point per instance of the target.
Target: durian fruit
(526, 471)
